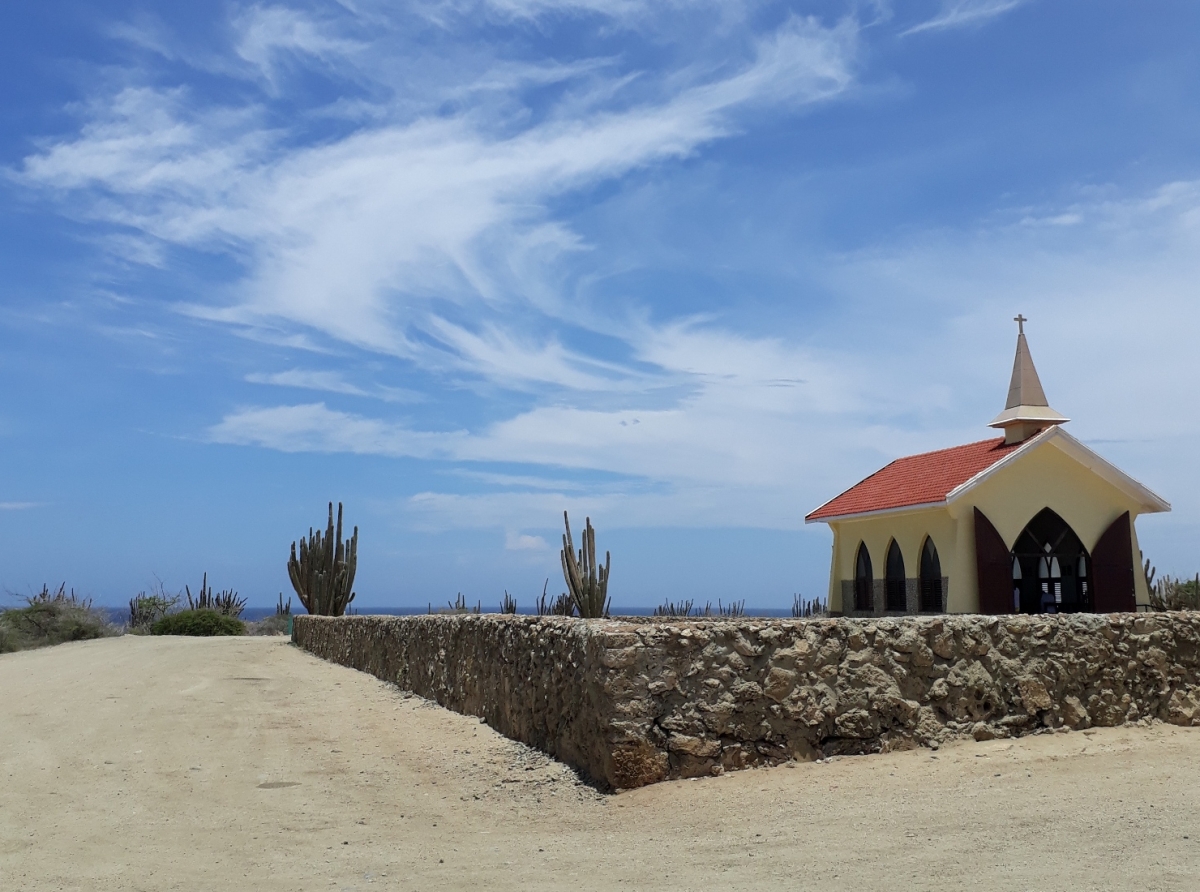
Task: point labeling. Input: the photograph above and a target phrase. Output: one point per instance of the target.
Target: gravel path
(168, 763)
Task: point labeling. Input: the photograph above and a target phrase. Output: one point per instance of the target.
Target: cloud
(733, 385)
(520, 480)
(524, 542)
(428, 213)
(269, 35)
(358, 236)
(756, 431)
(18, 506)
(964, 13)
(332, 382)
(314, 427)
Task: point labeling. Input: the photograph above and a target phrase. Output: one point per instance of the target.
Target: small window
(931, 578)
(863, 581)
(897, 598)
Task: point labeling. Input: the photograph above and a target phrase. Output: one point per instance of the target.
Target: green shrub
(1175, 594)
(145, 610)
(8, 640)
(269, 625)
(198, 622)
(51, 618)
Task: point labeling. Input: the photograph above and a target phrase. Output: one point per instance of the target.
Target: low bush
(50, 618)
(198, 622)
(269, 625)
(145, 610)
(1175, 594)
(8, 640)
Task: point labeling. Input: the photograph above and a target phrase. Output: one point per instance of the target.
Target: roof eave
(857, 515)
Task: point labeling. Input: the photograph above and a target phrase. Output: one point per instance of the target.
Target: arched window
(863, 581)
(1051, 567)
(931, 578)
(897, 597)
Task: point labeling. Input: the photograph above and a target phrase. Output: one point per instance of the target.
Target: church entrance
(1051, 570)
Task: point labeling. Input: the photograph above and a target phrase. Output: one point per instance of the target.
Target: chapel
(1030, 522)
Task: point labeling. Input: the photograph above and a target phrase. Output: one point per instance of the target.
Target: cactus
(1148, 571)
(802, 608)
(282, 609)
(460, 606)
(323, 575)
(226, 603)
(563, 605)
(676, 611)
(734, 610)
(508, 604)
(586, 581)
(1175, 594)
(145, 610)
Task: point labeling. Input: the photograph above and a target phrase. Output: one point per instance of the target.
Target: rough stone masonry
(633, 701)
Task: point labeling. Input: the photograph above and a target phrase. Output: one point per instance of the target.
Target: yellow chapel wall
(1048, 478)
(909, 529)
(1011, 497)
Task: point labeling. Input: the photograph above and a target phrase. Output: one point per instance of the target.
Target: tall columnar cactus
(323, 575)
(586, 580)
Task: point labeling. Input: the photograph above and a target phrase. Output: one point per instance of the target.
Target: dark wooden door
(1112, 569)
(993, 564)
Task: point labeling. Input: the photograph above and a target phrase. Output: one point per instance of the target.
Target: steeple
(1027, 410)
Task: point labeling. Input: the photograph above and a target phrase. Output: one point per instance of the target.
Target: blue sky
(688, 268)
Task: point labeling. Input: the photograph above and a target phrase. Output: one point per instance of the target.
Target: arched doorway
(1051, 569)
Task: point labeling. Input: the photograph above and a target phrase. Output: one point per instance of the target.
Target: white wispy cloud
(313, 427)
(962, 13)
(738, 445)
(269, 35)
(18, 506)
(332, 382)
(353, 237)
(424, 221)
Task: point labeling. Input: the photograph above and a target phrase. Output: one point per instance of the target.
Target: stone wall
(634, 701)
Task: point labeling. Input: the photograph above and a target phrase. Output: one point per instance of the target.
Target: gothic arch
(1051, 570)
(896, 585)
(931, 578)
(864, 581)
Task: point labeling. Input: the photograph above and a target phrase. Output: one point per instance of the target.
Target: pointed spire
(1026, 412)
(1025, 389)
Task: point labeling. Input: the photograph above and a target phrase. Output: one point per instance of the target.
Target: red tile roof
(916, 479)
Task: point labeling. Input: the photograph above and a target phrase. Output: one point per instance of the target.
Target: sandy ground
(167, 763)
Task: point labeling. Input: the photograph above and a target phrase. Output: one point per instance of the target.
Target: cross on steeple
(1020, 320)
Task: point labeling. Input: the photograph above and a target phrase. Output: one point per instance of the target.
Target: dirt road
(168, 763)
